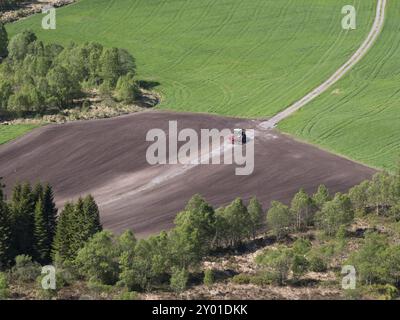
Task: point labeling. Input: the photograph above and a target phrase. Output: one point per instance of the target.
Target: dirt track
(107, 158)
(339, 74)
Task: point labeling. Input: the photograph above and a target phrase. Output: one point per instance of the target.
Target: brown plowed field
(107, 158)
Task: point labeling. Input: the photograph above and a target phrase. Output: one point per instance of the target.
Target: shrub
(395, 212)
(64, 277)
(381, 291)
(98, 259)
(126, 90)
(263, 279)
(99, 288)
(85, 106)
(46, 294)
(209, 277)
(317, 263)
(302, 246)
(277, 262)
(4, 292)
(25, 269)
(389, 292)
(127, 295)
(376, 261)
(300, 266)
(179, 280)
(241, 278)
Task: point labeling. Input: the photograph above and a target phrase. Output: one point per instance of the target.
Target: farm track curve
(339, 74)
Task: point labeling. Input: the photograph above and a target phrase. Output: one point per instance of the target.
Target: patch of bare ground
(98, 108)
(312, 285)
(108, 159)
(230, 291)
(226, 264)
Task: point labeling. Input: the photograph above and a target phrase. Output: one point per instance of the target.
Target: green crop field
(360, 116)
(11, 132)
(249, 58)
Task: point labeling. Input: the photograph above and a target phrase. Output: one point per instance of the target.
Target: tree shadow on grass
(148, 84)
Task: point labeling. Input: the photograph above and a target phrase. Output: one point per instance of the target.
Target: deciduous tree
(335, 213)
(256, 215)
(279, 219)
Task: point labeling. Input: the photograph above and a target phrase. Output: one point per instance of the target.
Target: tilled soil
(108, 159)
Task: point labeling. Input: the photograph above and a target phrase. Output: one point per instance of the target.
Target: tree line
(31, 228)
(29, 225)
(75, 240)
(381, 196)
(38, 78)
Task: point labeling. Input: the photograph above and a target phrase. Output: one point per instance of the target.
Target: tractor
(238, 137)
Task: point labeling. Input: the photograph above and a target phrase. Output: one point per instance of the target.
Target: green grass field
(253, 58)
(248, 58)
(360, 116)
(12, 132)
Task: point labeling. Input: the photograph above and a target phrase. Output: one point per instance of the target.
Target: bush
(179, 280)
(369, 260)
(317, 264)
(126, 90)
(263, 279)
(98, 259)
(25, 269)
(100, 289)
(395, 212)
(300, 266)
(64, 277)
(302, 246)
(85, 106)
(46, 294)
(241, 278)
(382, 292)
(127, 295)
(389, 292)
(209, 277)
(4, 292)
(277, 262)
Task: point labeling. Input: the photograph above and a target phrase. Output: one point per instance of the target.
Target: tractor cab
(239, 136)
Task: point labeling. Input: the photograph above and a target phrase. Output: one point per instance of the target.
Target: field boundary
(339, 74)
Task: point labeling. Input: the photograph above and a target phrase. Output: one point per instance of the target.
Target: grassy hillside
(11, 132)
(243, 58)
(360, 116)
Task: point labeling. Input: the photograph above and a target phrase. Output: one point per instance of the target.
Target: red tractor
(238, 137)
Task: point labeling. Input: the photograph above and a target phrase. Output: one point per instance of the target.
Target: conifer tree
(91, 215)
(76, 225)
(50, 213)
(63, 237)
(22, 215)
(42, 248)
(37, 192)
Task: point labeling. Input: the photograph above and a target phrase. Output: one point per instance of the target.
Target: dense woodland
(75, 243)
(9, 4)
(38, 78)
